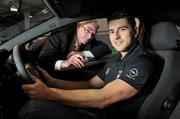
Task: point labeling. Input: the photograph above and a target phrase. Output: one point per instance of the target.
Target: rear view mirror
(16, 5)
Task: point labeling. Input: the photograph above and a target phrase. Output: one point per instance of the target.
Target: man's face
(121, 34)
(86, 32)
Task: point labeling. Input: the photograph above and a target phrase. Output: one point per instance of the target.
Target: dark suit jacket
(58, 46)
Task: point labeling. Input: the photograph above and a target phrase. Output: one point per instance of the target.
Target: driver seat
(163, 40)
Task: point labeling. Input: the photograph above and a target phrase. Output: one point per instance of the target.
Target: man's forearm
(63, 84)
(115, 91)
(78, 98)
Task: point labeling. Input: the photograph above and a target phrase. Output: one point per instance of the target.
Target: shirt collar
(131, 49)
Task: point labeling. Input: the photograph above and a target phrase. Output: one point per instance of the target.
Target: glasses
(88, 31)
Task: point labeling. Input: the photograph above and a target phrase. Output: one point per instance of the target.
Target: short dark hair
(123, 14)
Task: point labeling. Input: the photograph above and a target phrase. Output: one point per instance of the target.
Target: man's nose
(117, 35)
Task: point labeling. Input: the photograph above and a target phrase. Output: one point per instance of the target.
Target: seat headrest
(163, 36)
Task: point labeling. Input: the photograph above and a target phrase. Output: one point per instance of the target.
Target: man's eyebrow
(89, 28)
(122, 27)
(119, 28)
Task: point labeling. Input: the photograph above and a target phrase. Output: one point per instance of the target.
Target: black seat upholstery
(164, 41)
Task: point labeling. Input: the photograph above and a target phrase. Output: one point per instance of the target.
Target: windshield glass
(12, 23)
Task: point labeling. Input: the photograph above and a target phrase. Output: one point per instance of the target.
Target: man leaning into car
(70, 47)
(117, 91)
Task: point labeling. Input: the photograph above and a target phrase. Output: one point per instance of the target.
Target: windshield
(12, 23)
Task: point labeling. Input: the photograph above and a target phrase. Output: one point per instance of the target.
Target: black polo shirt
(135, 68)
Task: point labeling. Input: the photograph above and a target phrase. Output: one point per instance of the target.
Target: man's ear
(137, 26)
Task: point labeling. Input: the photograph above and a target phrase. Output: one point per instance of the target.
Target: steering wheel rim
(17, 56)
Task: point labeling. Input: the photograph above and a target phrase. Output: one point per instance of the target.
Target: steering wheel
(18, 52)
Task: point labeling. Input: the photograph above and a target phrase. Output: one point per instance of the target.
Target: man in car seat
(117, 91)
(71, 47)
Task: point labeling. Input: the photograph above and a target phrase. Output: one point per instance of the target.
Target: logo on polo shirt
(132, 73)
(107, 70)
(119, 74)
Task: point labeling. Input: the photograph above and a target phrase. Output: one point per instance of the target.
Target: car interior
(163, 42)
(158, 34)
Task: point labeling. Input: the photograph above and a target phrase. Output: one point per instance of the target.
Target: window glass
(12, 23)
